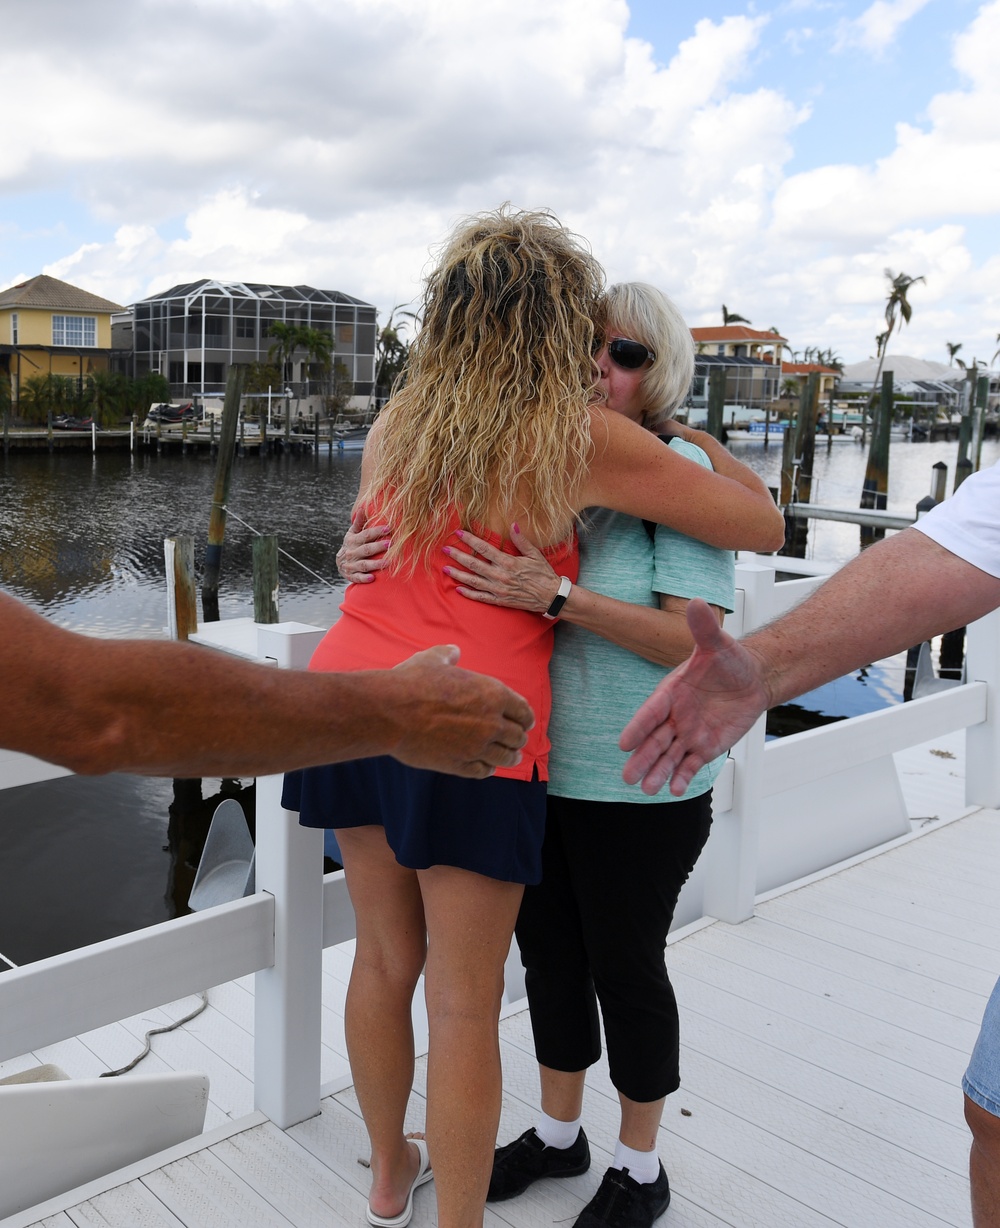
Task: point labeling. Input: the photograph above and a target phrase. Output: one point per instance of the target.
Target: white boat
(825, 1030)
(755, 432)
(345, 439)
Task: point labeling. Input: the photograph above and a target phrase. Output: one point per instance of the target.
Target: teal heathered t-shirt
(596, 685)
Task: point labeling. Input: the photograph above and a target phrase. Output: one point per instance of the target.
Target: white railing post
(288, 999)
(731, 878)
(982, 741)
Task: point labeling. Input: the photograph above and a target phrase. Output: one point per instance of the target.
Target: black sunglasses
(630, 355)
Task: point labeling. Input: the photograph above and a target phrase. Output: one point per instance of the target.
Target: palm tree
(392, 351)
(953, 348)
(107, 396)
(319, 348)
(287, 339)
(897, 310)
(996, 353)
(830, 358)
(730, 317)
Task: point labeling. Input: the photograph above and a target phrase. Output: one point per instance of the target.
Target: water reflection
(81, 540)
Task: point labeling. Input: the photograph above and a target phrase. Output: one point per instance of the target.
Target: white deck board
(823, 1044)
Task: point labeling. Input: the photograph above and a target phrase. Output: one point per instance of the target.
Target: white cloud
(876, 29)
(334, 143)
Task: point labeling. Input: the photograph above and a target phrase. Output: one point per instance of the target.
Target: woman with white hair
(594, 929)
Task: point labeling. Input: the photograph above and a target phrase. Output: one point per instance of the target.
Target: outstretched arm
(177, 710)
(897, 593)
(698, 711)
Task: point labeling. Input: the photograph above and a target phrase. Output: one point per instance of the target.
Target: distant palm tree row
(105, 396)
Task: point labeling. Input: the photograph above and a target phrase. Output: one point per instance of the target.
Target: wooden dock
(165, 439)
(823, 1043)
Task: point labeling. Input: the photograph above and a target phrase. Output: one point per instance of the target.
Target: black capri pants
(595, 930)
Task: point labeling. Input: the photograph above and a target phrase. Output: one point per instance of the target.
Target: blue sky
(777, 157)
(856, 98)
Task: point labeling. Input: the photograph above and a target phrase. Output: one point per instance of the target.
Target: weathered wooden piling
(875, 491)
(182, 605)
(803, 456)
(220, 496)
(716, 401)
(939, 481)
(265, 579)
(978, 420)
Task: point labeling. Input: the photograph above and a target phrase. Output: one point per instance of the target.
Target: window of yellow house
(13, 328)
(74, 330)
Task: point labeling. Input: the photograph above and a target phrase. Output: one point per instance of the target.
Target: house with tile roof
(800, 372)
(751, 359)
(739, 341)
(48, 327)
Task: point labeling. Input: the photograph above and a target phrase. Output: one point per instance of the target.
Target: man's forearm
(175, 710)
(894, 595)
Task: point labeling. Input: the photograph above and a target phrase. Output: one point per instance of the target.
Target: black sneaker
(527, 1159)
(621, 1202)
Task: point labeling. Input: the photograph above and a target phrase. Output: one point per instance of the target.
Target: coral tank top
(383, 623)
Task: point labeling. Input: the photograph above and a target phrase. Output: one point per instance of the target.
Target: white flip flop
(424, 1174)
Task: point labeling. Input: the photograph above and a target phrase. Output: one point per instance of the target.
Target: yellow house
(48, 327)
(800, 371)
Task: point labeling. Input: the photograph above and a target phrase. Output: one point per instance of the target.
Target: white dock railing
(765, 797)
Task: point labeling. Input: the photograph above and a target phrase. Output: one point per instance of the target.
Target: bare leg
(377, 1021)
(470, 920)
(640, 1122)
(562, 1092)
(984, 1165)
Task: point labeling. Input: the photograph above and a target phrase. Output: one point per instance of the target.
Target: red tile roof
(807, 368)
(730, 333)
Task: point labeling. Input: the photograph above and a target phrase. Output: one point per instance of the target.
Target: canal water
(81, 540)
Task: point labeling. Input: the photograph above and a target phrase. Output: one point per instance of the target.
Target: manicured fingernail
(517, 528)
(446, 549)
(459, 533)
(447, 571)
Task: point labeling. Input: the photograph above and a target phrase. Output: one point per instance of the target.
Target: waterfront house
(193, 333)
(739, 341)
(752, 362)
(928, 386)
(800, 372)
(48, 327)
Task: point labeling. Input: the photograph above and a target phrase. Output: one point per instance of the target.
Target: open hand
(696, 712)
(489, 575)
(363, 550)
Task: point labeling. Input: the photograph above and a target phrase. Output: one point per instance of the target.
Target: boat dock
(823, 1043)
(832, 958)
(250, 440)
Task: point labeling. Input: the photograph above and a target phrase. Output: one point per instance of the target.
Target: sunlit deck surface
(823, 1047)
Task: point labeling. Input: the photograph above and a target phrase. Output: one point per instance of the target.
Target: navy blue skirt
(493, 827)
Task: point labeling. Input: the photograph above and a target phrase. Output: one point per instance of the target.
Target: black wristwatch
(559, 600)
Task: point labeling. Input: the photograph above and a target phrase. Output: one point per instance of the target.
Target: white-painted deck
(823, 1046)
